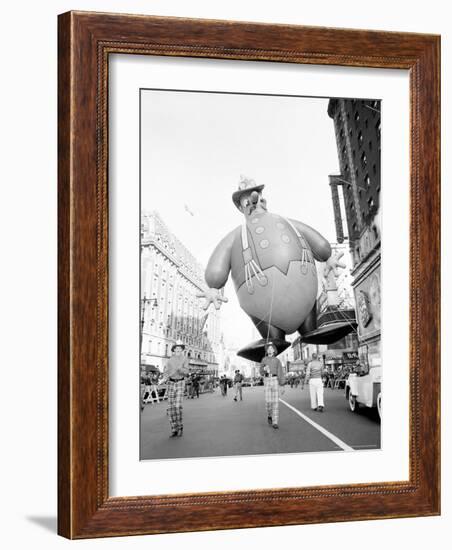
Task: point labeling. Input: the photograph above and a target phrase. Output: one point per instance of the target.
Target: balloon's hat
(246, 185)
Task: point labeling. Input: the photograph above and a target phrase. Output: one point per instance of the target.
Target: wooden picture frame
(85, 42)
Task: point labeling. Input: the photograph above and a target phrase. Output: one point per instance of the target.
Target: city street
(218, 426)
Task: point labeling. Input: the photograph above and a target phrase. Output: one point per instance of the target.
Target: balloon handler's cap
(178, 344)
(246, 185)
(272, 344)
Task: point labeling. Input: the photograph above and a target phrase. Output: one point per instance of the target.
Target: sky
(196, 145)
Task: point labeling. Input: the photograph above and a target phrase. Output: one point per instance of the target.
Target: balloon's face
(252, 202)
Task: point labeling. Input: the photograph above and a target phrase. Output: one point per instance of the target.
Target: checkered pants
(271, 392)
(175, 397)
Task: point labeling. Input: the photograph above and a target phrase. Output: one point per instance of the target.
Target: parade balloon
(271, 260)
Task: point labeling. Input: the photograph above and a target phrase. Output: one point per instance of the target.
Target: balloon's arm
(319, 245)
(219, 265)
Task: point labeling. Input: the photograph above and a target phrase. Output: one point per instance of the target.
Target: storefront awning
(345, 354)
(296, 366)
(198, 364)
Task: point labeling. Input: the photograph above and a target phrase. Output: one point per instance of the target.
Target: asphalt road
(218, 426)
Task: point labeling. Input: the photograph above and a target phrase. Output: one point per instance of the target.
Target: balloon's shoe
(256, 350)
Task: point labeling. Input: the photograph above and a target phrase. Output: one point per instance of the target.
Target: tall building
(357, 128)
(170, 279)
(356, 196)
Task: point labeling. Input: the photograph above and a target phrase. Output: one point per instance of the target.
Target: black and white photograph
(220, 219)
(260, 274)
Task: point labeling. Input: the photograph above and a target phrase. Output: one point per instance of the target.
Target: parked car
(363, 389)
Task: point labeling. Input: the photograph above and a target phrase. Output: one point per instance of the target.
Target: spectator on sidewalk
(302, 377)
(195, 386)
(147, 386)
(154, 378)
(189, 387)
(224, 385)
(144, 385)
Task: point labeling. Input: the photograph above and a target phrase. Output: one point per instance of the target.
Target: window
(360, 138)
(367, 180)
(364, 159)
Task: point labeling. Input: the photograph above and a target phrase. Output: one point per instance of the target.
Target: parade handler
(174, 374)
(272, 264)
(314, 374)
(238, 381)
(274, 380)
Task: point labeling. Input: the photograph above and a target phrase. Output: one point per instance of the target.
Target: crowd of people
(180, 382)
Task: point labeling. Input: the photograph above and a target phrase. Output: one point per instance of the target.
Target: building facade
(233, 362)
(356, 196)
(170, 279)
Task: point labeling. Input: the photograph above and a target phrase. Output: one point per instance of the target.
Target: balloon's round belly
(285, 301)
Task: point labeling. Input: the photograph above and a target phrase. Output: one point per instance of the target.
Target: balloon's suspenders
(306, 253)
(251, 266)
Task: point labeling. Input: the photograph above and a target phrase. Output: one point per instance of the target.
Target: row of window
(186, 261)
(159, 348)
